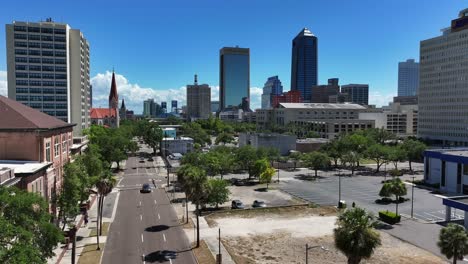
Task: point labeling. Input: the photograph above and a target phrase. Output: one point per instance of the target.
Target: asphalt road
(145, 223)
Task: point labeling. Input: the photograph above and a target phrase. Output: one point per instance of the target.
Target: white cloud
(379, 99)
(3, 83)
(134, 94)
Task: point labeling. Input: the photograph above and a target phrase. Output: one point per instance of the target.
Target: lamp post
(339, 188)
(307, 251)
(219, 256)
(412, 196)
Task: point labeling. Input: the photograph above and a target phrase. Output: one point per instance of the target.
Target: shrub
(395, 172)
(389, 217)
(384, 200)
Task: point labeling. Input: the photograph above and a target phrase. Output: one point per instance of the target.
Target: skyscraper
(164, 107)
(304, 70)
(234, 76)
(443, 86)
(358, 93)
(272, 87)
(174, 106)
(48, 70)
(198, 100)
(408, 78)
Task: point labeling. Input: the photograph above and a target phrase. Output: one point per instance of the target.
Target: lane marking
(142, 238)
(159, 217)
(155, 202)
(141, 218)
(170, 260)
(143, 257)
(164, 236)
(140, 203)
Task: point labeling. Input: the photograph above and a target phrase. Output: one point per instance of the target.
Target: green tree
(246, 157)
(218, 192)
(379, 135)
(453, 242)
(70, 195)
(295, 157)
(212, 163)
(396, 154)
(259, 167)
(191, 158)
(312, 134)
(352, 158)
(413, 149)
(355, 235)
(152, 135)
(26, 235)
(316, 161)
(334, 150)
(394, 187)
(224, 138)
(379, 154)
(267, 175)
(195, 131)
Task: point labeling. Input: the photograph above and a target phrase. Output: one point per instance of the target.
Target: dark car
(150, 159)
(237, 204)
(142, 160)
(146, 188)
(168, 254)
(257, 203)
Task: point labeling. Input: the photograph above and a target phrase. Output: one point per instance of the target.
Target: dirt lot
(280, 236)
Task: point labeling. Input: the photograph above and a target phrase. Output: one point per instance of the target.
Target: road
(145, 223)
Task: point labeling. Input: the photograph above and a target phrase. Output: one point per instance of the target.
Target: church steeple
(113, 96)
(123, 104)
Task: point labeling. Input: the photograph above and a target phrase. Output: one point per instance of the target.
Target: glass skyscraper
(408, 78)
(272, 87)
(304, 70)
(234, 76)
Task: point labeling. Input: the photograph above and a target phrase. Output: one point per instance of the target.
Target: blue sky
(159, 45)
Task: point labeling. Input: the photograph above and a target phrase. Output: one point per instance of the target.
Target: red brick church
(108, 117)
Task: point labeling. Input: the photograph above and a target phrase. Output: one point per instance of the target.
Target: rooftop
(24, 166)
(178, 138)
(321, 106)
(463, 152)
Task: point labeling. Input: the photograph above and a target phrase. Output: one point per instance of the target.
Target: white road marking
(143, 257)
(164, 236)
(155, 202)
(159, 217)
(170, 260)
(142, 238)
(141, 218)
(140, 203)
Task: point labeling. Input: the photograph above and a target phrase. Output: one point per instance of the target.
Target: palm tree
(104, 186)
(453, 242)
(394, 187)
(355, 235)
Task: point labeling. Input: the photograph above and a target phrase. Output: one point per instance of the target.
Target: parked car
(258, 203)
(237, 204)
(146, 188)
(150, 159)
(168, 254)
(142, 160)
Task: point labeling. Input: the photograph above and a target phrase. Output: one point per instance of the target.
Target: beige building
(198, 100)
(443, 96)
(48, 70)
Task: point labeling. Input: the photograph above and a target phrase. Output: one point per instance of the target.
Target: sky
(157, 46)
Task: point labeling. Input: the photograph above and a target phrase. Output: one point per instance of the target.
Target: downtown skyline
(353, 47)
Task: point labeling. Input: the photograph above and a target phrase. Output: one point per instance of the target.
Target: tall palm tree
(355, 235)
(104, 186)
(453, 242)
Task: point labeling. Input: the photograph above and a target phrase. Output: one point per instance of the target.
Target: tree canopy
(453, 242)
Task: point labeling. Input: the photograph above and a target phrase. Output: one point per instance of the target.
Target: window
(47, 68)
(465, 169)
(35, 90)
(60, 46)
(21, 36)
(60, 54)
(61, 84)
(35, 83)
(60, 61)
(35, 52)
(47, 46)
(34, 37)
(59, 39)
(47, 83)
(21, 51)
(56, 146)
(64, 147)
(22, 90)
(61, 69)
(48, 61)
(47, 38)
(46, 30)
(21, 44)
(21, 98)
(19, 28)
(21, 67)
(459, 169)
(21, 82)
(47, 152)
(21, 59)
(34, 60)
(61, 76)
(47, 76)
(35, 45)
(21, 75)
(34, 29)
(34, 68)
(59, 31)
(47, 53)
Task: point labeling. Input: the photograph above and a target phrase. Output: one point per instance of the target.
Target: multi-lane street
(145, 223)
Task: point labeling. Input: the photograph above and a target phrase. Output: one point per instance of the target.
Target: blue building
(164, 107)
(174, 106)
(304, 70)
(408, 78)
(272, 87)
(234, 76)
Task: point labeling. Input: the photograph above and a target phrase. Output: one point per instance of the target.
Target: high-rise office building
(234, 76)
(174, 106)
(151, 108)
(272, 87)
(358, 93)
(198, 100)
(443, 86)
(408, 78)
(164, 107)
(48, 70)
(304, 68)
(322, 93)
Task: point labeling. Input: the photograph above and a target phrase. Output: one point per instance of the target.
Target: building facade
(357, 93)
(408, 78)
(271, 88)
(449, 168)
(151, 108)
(304, 63)
(180, 145)
(322, 93)
(48, 70)
(443, 96)
(283, 143)
(198, 101)
(288, 97)
(234, 76)
(214, 106)
(174, 106)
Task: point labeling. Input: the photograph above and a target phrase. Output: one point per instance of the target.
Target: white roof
(179, 138)
(321, 106)
(22, 166)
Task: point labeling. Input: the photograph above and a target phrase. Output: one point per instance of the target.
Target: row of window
(60, 31)
(41, 60)
(41, 90)
(38, 98)
(23, 44)
(41, 76)
(39, 53)
(40, 37)
(21, 67)
(39, 83)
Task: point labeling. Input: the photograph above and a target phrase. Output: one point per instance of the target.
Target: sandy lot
(248, 194)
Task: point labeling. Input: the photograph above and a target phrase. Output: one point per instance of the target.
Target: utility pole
(339, 188)
(412, 196)
(219, 256)
(307, 253)
(278, 170)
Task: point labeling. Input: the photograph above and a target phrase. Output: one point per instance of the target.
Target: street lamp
(412, 196)
(339, 188)
(307, 251)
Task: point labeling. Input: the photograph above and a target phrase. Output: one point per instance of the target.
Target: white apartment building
(48, 70)
(443, 87)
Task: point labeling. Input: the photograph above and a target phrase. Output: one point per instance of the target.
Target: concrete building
(198, 101)
(234, 76)
(108, 116)
(271, 88)
(35, 145)
(304, 63)
(180, 145)
(231, 114)
(310, 144)
(322, 93)
(48, 70)
(443, 96)
(358, 93)
(151, 108)
(284, 143)
(408, 78)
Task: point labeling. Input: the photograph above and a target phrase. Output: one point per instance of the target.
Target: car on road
(258, 203)
(168, 254)
(237, 204)
(150, 159)
(146, 188)
(142, 160)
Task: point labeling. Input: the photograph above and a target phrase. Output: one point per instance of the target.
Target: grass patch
(203, 254)
(366, 161)
(90, 255)
(105, 229)
(238, 259)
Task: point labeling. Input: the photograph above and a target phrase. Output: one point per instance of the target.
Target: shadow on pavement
(383, 226)
(157, 256)
(157, 228)
(264, 189)
(307, 177)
